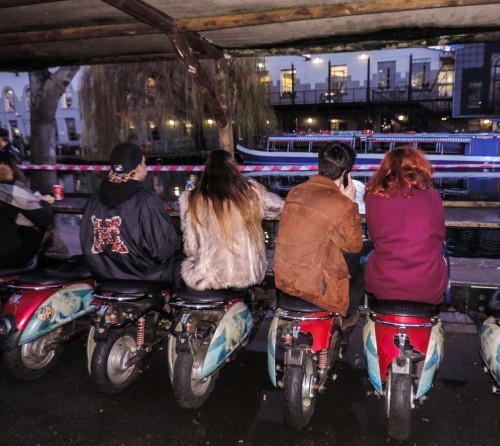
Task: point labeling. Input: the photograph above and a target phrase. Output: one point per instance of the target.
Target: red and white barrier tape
(256, 168)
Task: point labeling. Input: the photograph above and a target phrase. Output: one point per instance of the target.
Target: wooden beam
(318, 12)
(157, 19)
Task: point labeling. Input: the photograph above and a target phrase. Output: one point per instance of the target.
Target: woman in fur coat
(221, 220)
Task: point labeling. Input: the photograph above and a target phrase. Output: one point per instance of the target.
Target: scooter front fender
(433, 358)
(232, 330)
(271, 350)
(371, 355)
(61, 307)
(489, 346)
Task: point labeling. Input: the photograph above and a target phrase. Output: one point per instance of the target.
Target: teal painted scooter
(208, 329)
(489, 341)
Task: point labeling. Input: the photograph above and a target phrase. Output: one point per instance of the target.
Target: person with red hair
(405, 220)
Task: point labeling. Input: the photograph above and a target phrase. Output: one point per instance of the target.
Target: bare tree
(46, 88)
(120, 102)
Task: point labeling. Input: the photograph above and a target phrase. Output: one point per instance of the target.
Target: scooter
(209, 327)
(131, 323)
(44, 310)
(303, 345)
(489, 341)
(403, 346)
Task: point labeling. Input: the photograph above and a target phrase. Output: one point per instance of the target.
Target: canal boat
(444, 151)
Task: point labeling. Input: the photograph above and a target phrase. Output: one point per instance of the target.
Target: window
(287, 82)
(150, 90)
(420, 74)
(71, 129)
(10, 100)
(386, 75)
(67, 100)
(495, 83)
(339, 78)
(445, 81)
(474, 94)
(14, 128)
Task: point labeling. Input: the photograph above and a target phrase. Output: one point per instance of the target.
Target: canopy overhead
(42, 34)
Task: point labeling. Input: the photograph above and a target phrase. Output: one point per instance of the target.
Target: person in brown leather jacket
(319, 225)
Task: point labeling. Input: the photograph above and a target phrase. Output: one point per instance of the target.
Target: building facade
(412, 89)
(15, 113)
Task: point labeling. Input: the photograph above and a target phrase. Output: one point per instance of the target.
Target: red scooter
(304, 342)
(42, 311)
(403, 344)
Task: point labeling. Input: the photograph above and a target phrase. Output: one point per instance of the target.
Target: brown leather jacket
(317, 224)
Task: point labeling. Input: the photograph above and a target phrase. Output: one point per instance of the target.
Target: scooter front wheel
(300, 393)
(189, 390)
(111, 369)
(398, 401)
(34, 359)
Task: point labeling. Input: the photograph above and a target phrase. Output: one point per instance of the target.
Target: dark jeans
(31, 240)
(357, 272)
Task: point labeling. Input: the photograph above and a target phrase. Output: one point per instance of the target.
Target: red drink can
(58, 192)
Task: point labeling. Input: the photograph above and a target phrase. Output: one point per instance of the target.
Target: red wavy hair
(404, 169)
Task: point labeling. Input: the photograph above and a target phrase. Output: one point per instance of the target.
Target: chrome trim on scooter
(118, 298)
(433, 322)
(294, 316)
(177, 303)
(34, 287)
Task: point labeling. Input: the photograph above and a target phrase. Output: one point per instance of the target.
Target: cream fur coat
(238, 263)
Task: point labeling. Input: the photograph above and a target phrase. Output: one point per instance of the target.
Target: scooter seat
(292, 303)
(52, 277)
(209, 296)
(131, 287)
(403, 308)
(31, 265)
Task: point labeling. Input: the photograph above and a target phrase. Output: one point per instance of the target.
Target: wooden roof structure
(40, 34)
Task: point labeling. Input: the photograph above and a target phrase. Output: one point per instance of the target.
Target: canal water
(452, 186)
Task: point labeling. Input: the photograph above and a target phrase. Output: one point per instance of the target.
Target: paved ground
(62, 408)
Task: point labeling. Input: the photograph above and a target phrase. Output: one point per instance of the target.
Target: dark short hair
(334, 159)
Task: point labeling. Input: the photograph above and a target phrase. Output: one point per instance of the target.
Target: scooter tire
(399, 406)
(30, 361)
(300, 393)
(189, 391)
(109, 373)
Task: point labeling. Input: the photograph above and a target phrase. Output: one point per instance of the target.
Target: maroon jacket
(408, 235)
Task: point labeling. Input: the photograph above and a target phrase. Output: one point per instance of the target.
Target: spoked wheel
(300, 393)
(111, 366)
(189, 390)
(34, 359)
(398, 405)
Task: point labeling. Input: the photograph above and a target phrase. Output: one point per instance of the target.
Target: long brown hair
(222, 187)
(404, 168)
(8, 159)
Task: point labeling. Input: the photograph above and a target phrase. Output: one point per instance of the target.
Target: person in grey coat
(221, 221)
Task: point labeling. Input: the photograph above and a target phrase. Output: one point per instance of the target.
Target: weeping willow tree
(124, 102)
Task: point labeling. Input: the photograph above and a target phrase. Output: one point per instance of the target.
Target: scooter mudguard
(489, 346)
(233, 329)
(58, 309)
(371, 355)
(271, 350)
(433, 358)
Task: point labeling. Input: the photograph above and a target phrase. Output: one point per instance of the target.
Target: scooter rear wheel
(110, 368)
(300, 393)
(32, 360)
(189, 390)
(398, 400)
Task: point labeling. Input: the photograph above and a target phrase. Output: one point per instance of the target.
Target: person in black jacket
(6, 145)
(24, 220)
(126, 232)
